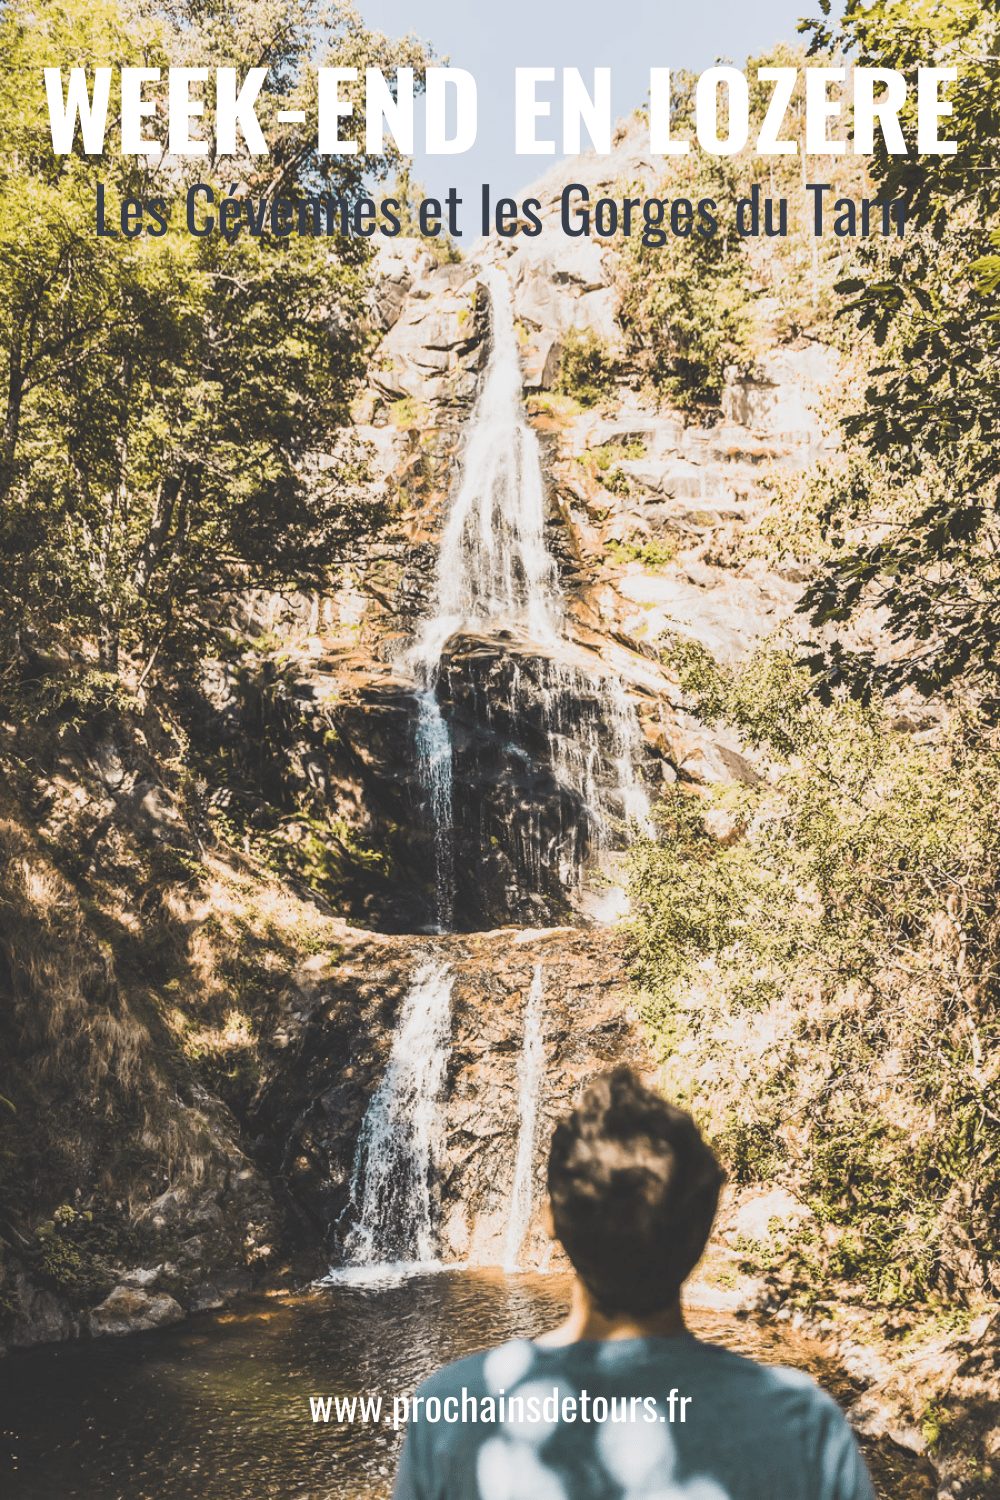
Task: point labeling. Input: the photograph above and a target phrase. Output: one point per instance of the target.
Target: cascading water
(392, 1185)
(493, 565)
(530, 1073)
(496, 578)
(433, 747)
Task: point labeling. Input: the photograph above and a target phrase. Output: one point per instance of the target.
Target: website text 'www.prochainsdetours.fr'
(540, 1405)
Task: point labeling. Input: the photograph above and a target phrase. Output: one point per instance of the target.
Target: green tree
(52, 309)
(912, 521)
(176, 408)
(587, 367)
(685, 306)
(820, 953)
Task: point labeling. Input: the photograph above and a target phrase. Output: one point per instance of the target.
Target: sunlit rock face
(600, 532)
(467, 648)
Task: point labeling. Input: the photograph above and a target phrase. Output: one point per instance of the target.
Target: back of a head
(634, 1189)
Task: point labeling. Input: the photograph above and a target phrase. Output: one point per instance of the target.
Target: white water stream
(494, 571)
(530, 1074)
(493, 565)
(393, 1187)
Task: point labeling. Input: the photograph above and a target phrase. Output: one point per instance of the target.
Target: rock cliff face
(128, 1197)
(224, 1026)
(647, 516)
(646, 513)
(333, 1041)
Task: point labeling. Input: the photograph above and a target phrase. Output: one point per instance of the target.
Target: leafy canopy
(172, 410)
(913, 526)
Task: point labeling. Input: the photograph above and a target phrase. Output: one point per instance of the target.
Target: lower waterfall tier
(328, 1086)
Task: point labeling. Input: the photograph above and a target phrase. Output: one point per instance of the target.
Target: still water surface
(218, 1408)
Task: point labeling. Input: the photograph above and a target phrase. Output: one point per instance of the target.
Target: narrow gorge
(502, 725)
(383, 833)
(528, 770)
(344, 929)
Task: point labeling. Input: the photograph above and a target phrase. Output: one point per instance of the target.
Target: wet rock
(206, 1298)
(37, 1315)
(321, 1084)
(142, 1278)
(129, 1309)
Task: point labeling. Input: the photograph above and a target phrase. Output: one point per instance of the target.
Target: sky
(629, 36)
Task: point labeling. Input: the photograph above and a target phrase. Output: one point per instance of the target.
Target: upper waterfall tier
(493, 566)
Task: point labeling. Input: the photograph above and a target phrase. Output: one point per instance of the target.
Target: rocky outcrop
(650, 516)
(332, 1044)
(114, 1156)
(433, 350)
(646, 517)
(130, 1309)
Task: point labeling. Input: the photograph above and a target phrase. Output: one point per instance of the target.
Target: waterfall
(495, 572)
(530, 1072)
(433, 747)
(392, 1184)
(493, 565)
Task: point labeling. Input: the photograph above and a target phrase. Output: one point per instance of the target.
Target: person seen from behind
(622, 1401)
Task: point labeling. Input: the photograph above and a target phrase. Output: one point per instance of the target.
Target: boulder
(399, 265)
(142, 1278)
(129, 1309)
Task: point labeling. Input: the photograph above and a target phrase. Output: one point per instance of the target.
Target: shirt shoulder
(798, 1405)
(770, 1407)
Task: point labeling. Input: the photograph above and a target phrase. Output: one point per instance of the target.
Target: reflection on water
(218, 1409)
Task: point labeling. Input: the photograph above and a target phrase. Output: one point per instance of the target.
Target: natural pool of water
(218, 1407)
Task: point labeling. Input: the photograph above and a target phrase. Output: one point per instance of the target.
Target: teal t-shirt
(597, 1421)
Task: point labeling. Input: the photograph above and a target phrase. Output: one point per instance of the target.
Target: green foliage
(603, 464)
(587, 368)
(73, 1249)
(686, 307)
(327, 853)
(76, 699)
(560, 408)
(694, 308)
(617, 482)
(933, 1424)
(825, 972)
(166, 401)
(653, 553)
(819, 954)
(911, 525)
(409, 414)
(607, 455)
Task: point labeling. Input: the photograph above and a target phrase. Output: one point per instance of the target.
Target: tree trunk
(159, 531)
(12, 416)
(108, 645)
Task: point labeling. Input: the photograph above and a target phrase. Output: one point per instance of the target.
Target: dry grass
(84, 1051)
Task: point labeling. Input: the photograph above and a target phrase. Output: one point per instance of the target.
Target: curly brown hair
(634, 1188)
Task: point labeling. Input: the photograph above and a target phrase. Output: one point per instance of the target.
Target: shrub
(587, 368)
(822, 980)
